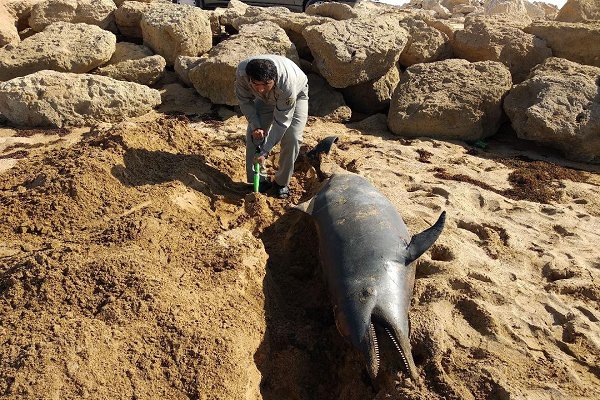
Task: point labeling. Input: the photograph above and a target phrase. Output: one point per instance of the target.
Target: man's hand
(258, 134)
(260, 160)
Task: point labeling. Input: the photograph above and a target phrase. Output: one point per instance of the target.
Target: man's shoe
(283, 192)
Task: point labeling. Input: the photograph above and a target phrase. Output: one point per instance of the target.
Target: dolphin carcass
(367, 256)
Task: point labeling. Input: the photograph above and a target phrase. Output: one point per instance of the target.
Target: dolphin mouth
(381, 330)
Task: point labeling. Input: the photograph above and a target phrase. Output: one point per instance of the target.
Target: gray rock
(57, 99)
(450, 99)
(62, 46)
(559, 106)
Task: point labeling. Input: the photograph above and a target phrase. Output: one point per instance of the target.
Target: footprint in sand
(477, 316)
(439, 254)
(493, 239)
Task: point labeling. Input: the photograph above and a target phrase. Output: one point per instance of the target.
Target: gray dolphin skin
(367, 257)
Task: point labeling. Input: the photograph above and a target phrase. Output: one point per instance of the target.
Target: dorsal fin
(422, 241)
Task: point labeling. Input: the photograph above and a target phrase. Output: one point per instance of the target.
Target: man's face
(262, 87)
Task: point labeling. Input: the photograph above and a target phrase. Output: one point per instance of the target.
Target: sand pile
(134, 265)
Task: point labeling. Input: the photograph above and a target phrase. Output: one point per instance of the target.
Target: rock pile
(445, 68)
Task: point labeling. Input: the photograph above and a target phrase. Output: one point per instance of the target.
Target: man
(273, 95)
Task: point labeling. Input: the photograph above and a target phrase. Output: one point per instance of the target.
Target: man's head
(262, 74)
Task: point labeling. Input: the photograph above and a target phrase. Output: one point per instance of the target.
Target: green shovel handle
(256, 176)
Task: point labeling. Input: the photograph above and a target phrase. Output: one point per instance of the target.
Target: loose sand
(133, 264)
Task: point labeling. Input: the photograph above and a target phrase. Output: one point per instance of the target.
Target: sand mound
(135, 265)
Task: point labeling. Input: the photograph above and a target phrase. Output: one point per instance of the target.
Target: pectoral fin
(423, 241)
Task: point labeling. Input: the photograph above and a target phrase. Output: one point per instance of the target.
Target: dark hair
(261, 69)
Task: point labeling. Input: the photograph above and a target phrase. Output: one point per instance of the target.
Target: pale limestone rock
(183, 66)
(559, 106)
(354, 51)
(535, 11)
(373, 96)
(92, 12)
(293, 23)
(62, 46)
(579, 42)
(129, 16)
(337, 11)
(434, 5)
(325, 102)
(489, 39)
(234, 10)
(515, 9)
(550, 10)
(450, 99)
(134, 63)
(579, 11)
(214, 76)
(8, 27)
(425, 44)
(21, 10)
(176, 30)
(57, 99)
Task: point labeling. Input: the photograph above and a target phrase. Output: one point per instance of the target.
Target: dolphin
(367, 257)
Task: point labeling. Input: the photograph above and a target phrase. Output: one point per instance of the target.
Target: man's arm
(282, 119)
(246, 99)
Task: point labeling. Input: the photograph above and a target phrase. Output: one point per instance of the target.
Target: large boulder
(535, 11)
(514, 9)
(134, 63)
(579, 11)
(335, 10)
(214, 76)
(57, 99)
(559, 106)
(292, 23)
(21, 10)
(62, 46)
(489, 39)
(128, 18)
(373, 96)
(358, 50)
(425, 44)
(450, 99)
(93, 12)
(550, 10)
(579, 42)
(173, 30)
(325, 102)
(8, 27)
(183, 66)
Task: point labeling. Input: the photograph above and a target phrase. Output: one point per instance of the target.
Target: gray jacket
(291, 83)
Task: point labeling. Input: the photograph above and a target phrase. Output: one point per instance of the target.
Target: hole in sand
(440, 252)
